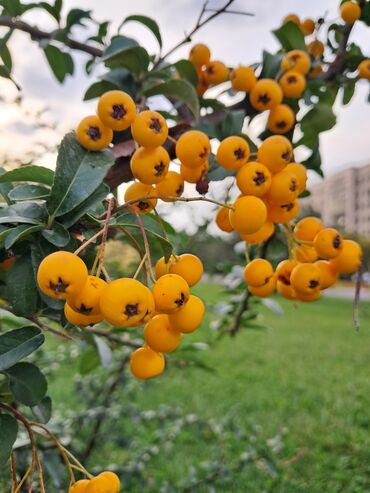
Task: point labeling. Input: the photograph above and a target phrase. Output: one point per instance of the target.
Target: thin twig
(13, 471)
(112, 337)
(237, 12)
(140, 266)
(146, 246)
(88, 242)
(235, 326)
(47, 328)
(105, 272)
(105, 233)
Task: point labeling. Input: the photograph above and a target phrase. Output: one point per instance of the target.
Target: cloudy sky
(233, 39)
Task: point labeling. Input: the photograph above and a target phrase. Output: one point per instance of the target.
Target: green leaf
(319, 119)
(349, 88)
(187, 71)
(28, 192)
(8, 435)
(88, 361)
(291, 37)
(11, 321)
(21, 289)
(58, 236)
(148, 22)
(134, 58)
(17, 344)
(5, 188)
(119, 43)
(75, 17)
(27, 384)
(20, 232)
(233, 123)
(61, 62)
(314, 161)
(178, 89)
(365, 13)
(12, 7)
(42, 410)
(104, 351)
(22, 212)
(270, 65)
(33, 173)
(98, 88)
(78, 174)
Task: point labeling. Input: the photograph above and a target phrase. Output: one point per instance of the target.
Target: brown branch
(243, 307)
(112, 337)
(338, 63)
(39, 35)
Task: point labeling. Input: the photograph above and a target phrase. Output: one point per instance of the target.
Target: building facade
(343, 200)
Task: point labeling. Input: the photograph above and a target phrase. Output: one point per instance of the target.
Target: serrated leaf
(57, 236)
(17, 344)
(291, 37)
(148, 22)
(42, 410)
(20, 232)
(78, 174)
(178, 89)
(28, 192)
(8, 435)
(33, 173)
(27, 384)
(21, 289)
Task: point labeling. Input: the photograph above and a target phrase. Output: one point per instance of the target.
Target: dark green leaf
(4, 187)
(365, 13)
(61, 62)
(348, 91)
(11, 321)
(88, 361)
(148, 22)
(58, 235)
(22, 212)
(178, 89)
(21, 289)
(17, 344)
(187, 71)
(42, 411)
(12, 7)
(319, 119)
(291, 37)
(119, 43)
(270, 65)
(8, 435)
(78, 174)
(233, 123)
(314, 161)
(6, 56)
(98, 88)
(20, 232)
(102, 32)
(33, 173)
(353, 57)
(27, 384)
(76, 16)
(134, 58)
(29, 192)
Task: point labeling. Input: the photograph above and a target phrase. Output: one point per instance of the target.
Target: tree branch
(338, 63)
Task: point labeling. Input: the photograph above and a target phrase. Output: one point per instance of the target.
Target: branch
(243, 307)
(39, 35)
(112, 337)
(338, 63)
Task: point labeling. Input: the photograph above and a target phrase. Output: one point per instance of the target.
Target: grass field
(305, 378)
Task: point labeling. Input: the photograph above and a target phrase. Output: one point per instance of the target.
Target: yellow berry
(233, 152)
(92, 134)
(150, 165)
(189, 318)
(117, 110)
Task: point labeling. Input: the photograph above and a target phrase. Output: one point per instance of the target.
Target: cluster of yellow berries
(320, 255)
(105, 482)
(168, 310)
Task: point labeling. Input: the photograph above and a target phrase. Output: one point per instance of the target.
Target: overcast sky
(232, 39)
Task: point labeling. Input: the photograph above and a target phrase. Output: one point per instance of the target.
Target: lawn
(304, 380)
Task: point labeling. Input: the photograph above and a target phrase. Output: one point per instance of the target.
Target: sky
(232, 39)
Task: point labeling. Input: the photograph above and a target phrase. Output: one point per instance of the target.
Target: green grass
(306, 376)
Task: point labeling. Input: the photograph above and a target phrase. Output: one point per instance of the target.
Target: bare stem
(146, 246)
(88, 242)
(140, 266)
(105, 233)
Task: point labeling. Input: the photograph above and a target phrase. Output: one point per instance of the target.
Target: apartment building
(343, 200)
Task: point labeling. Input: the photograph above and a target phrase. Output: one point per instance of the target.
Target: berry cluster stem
(146, 246)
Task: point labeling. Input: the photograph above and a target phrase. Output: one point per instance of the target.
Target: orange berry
(200, 55)
(193, 148)
(275, 152)
(139, 190)
(146, 363)
(261, 235)
(150, 166)
(61, 274)
(243, 79)
(285, 290)
(305, 254)
(249, 214)
(187, 266)
(233, 152)
(316, 71)
(86, 301)
(308, 26)
(189, 318)
(305, 278)
(364, 69)
(265, 290)
(316, 48)
(328, 275)
(281, 119)
(202, 85)
(350, 12)
(292, 18)
(266, 94)
(6, 264)
(149, 129)
(253, 179)
(307, 228)
(160, 335)
(172, 185)
(170, 293)
(284, 271)
(223, 220)
(162, 268)
(307, 297)
(99, 484)
(126, 302)
(193, 175)
(328, 243)
(284, 188)
(296, 60)
(117, 110)
(281, 214)
(113, 480)
(216, 72)
(79, 486)
(258, 272)
(293, 84)
(92, 134)
(300, 172)
(80, 319)
(349, 259)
